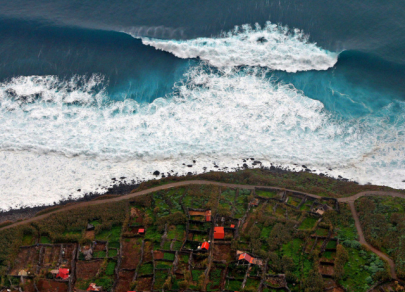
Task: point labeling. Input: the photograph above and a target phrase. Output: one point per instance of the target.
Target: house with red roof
(219, 233)
(63, 274)
(246, 258)
(205, 245)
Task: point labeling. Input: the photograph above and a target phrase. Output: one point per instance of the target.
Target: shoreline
(14, 215)
(125, 188)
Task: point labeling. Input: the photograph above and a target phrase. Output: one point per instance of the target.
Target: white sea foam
(275, 47)
(57, 137)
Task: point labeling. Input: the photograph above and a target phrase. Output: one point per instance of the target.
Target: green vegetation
(277, 234)
(110, 268)
(112, 234)
(114, 244)
(45, 239)
(360, 269)
(168, 256)
(308, 223)
(112, 253)
(146, 269)
(383, 223)
(99, 254)
(266, 194)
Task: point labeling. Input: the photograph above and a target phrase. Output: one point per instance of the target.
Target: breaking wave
(59, 136)
(273, 46)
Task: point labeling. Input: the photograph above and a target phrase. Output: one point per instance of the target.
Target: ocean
(93, 92)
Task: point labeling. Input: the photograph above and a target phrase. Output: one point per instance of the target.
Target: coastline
(13, 215)
(124, 188)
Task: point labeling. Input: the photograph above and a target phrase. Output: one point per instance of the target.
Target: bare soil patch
(144, 284)
(223, 252)
(131, 253)
(124, 281)
(90, 234)
(27, 260)
(51, 255)
(88, 269)
(147, 251)
(52, 286)
(326, 270)
(99, 246)
(158, 255)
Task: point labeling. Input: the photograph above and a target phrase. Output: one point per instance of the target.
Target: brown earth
(144, 284)
(52, 286)
(158, 255)
(51, 255)
(147, 251)
(223, 252)
(131, 253)
(124, 281)
(27, 260)
(100, 246)
(326, 270)
(88, 269)
(90, 234)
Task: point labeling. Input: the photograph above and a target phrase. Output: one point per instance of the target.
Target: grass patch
(99, 254)
(112, 253)
(177, 245)
(331, 244)
(233, 285)
(196, 274)
(110, 268)
(308, 223)
(45, 240)
(114, 244)
(113, 234)
(356, 271)
(146, 269)
(153, 235)
(266, 194)
(168, 256)
(28, 240)
(163, 265)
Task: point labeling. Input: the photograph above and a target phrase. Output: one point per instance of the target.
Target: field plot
(216, 278)
(52, 286)
(223, 252)
(308, 223)
(68, 251)
(27, 260)
(268, 194)
(88, 269)
(51, 255)
(147, 251)
(124, 281)
(144, 284)
(131, 253)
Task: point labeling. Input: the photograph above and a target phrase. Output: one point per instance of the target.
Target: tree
(254, 232)
(314, 282)
(342, 256)
(287, 263)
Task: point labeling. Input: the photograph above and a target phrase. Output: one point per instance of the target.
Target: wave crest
(273, 46)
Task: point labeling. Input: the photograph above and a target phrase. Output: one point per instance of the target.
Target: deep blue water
(154, 81)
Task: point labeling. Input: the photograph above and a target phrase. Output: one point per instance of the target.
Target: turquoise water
(95, 91)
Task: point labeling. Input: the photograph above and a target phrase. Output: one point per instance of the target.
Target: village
(197, 239)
